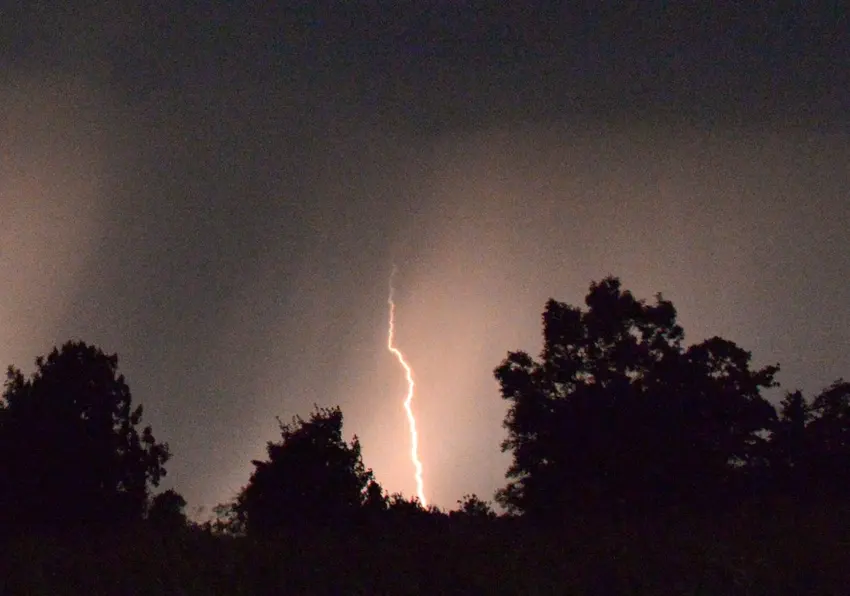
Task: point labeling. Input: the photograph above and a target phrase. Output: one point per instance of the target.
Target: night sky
(218, 195)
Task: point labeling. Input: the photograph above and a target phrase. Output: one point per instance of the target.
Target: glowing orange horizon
(411, 419)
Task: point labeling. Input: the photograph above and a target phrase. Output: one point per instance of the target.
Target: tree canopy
(616, 411)
(167, 511)
(617, 429)
(824, 450)
(615, 414)
(71, 449)
(311, 476)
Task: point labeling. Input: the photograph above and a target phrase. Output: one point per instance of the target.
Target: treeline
(74, 454)
(615, 416)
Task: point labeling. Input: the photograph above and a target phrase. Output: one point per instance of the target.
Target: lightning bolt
(411, 419)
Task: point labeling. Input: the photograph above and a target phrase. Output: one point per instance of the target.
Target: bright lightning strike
(411, 419)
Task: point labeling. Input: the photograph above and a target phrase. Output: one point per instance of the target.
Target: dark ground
(779, 551)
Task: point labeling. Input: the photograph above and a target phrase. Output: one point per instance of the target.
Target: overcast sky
(219, 195)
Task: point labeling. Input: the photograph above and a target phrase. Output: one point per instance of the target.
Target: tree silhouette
(167, 511)
(790, 449)
(70, 450)
(828, 435)
(473, 507)
(617, 412)
(312, 476)
(403, 507)
(228, 519)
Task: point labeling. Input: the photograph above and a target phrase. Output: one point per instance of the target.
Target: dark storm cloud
(255, 172)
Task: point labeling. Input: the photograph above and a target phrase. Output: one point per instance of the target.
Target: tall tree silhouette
(312, 476)
(70, 447)
(828, 435)
(790, 447)
(616, 411)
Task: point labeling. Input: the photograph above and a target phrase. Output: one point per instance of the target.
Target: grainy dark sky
(217, 194)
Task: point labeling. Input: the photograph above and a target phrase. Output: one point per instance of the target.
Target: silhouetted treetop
(474, 508)
(833, 404)
(312, 476)
(828, 440)
(167, 511)
(70, 449)
(617, 411)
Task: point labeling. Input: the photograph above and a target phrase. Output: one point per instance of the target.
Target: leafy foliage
(312, 477)
(616, 415)
(70, 449)
(227, 520)
(790, 451)
(827, 440)
(167, 511)
(617, 412)
(401, 507)
(473, 507)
